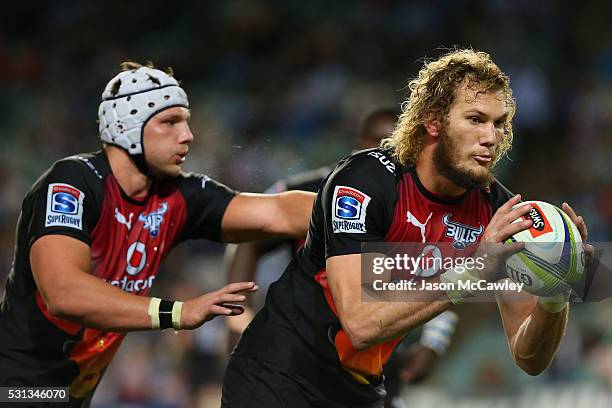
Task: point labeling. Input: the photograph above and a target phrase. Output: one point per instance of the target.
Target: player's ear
(432, 126)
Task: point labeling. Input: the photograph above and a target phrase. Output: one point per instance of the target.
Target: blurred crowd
(278, 87)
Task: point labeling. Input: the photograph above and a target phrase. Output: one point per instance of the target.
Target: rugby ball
(553, 257)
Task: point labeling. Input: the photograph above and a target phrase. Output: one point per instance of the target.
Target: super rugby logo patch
(349, 210)
(64, 206)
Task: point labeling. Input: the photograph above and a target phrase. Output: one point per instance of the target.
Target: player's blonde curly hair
(432, 93)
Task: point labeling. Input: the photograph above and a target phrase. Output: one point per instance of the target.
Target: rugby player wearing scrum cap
(95, 227)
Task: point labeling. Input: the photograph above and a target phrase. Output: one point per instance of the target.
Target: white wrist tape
(154, 312)
(437, 332)
(177, 309)
(554, 304)
(453, 276)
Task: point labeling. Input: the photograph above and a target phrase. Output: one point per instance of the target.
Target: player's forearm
(294, 212)
(94, 303)
(393, 321)
(371, 322)
(537, 339)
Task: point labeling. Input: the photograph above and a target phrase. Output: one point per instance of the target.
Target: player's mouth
(180, 158)
(483, 159)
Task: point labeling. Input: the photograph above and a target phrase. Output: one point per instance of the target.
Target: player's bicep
(57, 261)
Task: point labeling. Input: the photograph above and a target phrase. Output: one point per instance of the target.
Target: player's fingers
(569, 211)
(510, 248)
(230, 297)
(507, 206)
(578, 220)
(234, 309)
(504, 209)
(589, 252)
(514, 228)
(239, 287)
(218, 310)
(582, 228)
(517, 212)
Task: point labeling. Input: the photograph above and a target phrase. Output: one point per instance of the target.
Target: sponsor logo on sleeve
(384, 161)
(349, 210)
(64, 206)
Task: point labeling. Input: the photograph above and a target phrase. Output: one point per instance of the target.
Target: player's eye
(474, 120)
(499, 124)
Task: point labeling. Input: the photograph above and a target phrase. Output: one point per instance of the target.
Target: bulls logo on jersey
(153, 220)
(462, 234)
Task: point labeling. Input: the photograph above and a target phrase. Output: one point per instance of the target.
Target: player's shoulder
(367, 174)
(197, 183)
(497, 194)
(191, 179)
(372, 163)
(82, 170)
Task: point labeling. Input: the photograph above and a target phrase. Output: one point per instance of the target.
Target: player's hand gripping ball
(553, 257)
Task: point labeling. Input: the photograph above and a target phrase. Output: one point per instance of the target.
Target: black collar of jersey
(124, 195)
(435, 197)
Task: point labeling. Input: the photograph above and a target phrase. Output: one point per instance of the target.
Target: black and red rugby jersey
(80, 197)
(367, 198)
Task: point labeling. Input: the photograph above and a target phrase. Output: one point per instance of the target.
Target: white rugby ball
(553, 257)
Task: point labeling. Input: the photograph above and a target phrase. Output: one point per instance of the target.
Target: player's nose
(186, 136)
(489, 135)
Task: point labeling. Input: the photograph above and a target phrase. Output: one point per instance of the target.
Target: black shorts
(250, 383)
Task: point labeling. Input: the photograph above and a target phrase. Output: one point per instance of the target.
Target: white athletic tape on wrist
(177, 309)
(554, 304)
(154, 312)
(453, 276)
(437, 333)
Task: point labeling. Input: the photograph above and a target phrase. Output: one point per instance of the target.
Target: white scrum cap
(130, 99)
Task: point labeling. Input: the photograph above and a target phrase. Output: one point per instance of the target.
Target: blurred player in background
(316, 343)
(410, 363)
(95, 227)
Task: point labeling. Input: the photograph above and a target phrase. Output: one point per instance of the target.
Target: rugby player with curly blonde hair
(318, 341)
